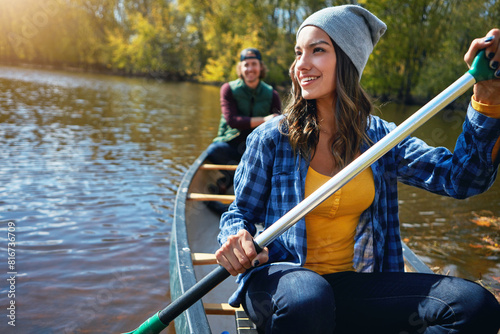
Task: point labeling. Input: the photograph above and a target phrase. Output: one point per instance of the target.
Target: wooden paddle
(479, 71)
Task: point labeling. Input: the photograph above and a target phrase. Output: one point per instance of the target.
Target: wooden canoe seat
(203, 258)
(226, 199)
(218, 167)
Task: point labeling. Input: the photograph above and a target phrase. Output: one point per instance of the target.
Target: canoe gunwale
(182, 277)
(413, 262)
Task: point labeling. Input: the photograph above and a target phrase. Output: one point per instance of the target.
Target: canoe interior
(195, 229)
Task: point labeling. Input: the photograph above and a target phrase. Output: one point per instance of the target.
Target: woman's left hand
(487, 92)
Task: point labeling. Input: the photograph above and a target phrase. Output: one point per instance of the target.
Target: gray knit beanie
(353, 28)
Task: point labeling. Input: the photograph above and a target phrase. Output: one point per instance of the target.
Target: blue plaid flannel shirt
(270, 181)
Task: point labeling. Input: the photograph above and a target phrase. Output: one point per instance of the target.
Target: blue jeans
(225, 152)
(288, 299)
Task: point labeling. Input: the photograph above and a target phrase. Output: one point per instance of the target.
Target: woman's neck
(326, 116)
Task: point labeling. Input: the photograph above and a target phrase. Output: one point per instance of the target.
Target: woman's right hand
(239, 254)
(487, 92)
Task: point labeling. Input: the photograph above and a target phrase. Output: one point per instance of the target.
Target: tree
(152, 42)
(420, 54)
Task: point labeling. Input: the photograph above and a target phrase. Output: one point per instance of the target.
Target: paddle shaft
(195, 293)
(479, 71)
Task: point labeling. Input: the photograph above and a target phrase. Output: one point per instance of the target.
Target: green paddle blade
(480, 68)
(151, 326)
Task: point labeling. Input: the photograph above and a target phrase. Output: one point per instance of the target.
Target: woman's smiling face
(316, 62)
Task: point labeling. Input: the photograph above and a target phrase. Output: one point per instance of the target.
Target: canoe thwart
(243, 324)
(218, 167)
(203, 258)
(226, 199)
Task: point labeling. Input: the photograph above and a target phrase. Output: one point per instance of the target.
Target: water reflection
(90, 166)
(89, 171)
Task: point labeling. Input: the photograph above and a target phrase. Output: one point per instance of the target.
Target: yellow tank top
(331, 226)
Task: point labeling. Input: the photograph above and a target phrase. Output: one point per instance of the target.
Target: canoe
(193, 243)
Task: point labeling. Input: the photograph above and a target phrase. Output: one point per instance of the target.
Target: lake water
(89, 170)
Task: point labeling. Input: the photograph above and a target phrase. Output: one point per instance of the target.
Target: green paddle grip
(151, 326)
(480, 68)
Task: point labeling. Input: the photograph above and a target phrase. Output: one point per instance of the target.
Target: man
(246, 103)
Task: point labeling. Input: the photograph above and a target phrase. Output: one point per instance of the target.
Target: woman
(340, 270)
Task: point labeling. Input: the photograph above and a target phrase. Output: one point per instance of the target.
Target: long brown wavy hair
(352, 112)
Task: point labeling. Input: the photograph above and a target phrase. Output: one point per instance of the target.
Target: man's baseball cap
(250, 53)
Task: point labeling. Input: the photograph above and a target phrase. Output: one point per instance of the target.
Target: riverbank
(98, 69)
(283, 88)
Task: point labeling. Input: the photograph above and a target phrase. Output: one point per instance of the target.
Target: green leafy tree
(420, 54)
(152, 42)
